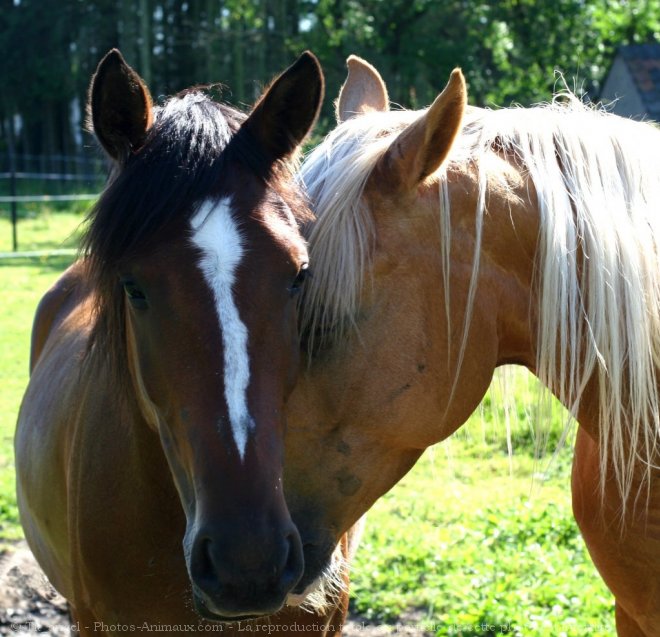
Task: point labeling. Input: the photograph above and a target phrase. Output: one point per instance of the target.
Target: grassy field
(472, 542)
(45, 231)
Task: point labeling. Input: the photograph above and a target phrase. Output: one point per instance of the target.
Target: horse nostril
(202, 568)
(294, 565)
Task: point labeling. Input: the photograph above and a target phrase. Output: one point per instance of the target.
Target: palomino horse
(454, 240)
(160, 366)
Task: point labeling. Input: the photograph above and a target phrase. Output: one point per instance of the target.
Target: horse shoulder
(54, 306)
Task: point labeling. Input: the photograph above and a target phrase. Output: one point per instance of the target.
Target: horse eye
(297, 284)
(135, 295)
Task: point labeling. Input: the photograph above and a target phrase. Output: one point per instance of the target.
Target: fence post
(14, 215)
(12, 191)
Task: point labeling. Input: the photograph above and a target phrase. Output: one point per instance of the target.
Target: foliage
(509, 49)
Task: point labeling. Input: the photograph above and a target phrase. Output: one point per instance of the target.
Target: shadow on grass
(71, 241)
(45, 263)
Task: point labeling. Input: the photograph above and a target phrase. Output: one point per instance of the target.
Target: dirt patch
(29, 605)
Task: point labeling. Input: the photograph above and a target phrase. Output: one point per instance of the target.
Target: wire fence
(30, 254)
(30, 182)
(88, 162)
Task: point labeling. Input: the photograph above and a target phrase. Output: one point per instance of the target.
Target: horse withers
(450, 241)
(150, 439)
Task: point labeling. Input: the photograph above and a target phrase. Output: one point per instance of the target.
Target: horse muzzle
(245, 581)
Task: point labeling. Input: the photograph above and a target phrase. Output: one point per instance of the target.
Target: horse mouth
(298, 599)
(321, 587)
(318, 561)
(209, 614)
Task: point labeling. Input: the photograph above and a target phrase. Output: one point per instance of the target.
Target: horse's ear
(362, 92)
(421, 148)
(288, 109)
(120, 107)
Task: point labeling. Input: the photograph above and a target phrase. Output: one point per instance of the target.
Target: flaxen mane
(598, 272)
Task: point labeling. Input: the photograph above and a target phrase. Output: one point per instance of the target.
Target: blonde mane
(597, 183)
(334, 175)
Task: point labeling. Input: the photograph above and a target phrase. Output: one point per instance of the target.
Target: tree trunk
(238, 59)
(145, 41)
(128, 31)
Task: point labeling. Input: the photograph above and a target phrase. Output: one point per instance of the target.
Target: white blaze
(217, 235)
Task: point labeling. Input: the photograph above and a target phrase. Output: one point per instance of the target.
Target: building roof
(643, 63)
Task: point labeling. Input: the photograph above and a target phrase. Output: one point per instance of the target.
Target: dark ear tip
(112, 58)
(309, 60)
(308, 65)
(308, 55)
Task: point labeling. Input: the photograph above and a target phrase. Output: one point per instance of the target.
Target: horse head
(370, 183)
(197, 258)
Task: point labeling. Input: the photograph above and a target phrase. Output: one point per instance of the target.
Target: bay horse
(149, 442)
(453, 240)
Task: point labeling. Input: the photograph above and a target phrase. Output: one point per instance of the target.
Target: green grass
(463, 542)
(470, 538)
(50, 229)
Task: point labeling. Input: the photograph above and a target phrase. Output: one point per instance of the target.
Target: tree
(509, 49)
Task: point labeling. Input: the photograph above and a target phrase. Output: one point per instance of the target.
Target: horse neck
(510, 272)
(501, 236)
(568, 315)
(414, 357)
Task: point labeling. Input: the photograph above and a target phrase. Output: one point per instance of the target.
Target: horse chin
(201, 607)
(321, 594)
